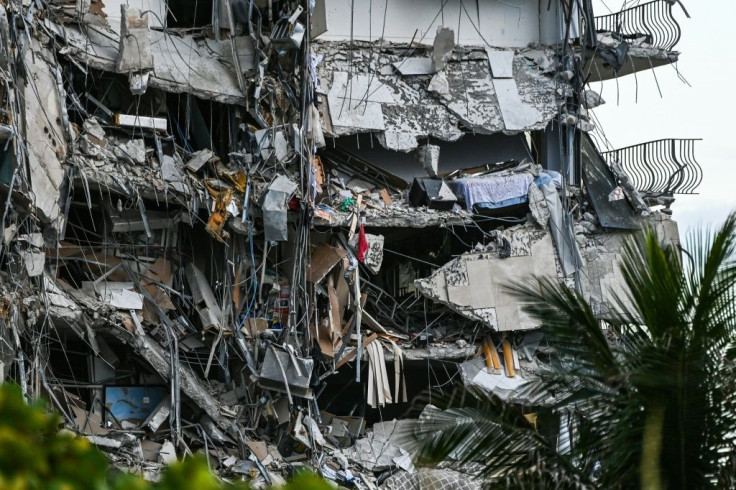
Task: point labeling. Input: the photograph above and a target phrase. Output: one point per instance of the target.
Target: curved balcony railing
(652, 19)
(662, 167)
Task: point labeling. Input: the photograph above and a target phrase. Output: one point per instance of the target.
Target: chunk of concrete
(502, 63)
(199, 159)
(45, 135)
(34, 262)
(429, 157)
(444, 43)
(415, 66)
(172, 174)
(204, 300)
(159, 415)
(592, 99)
(473, 284)
(167, 454)
(135, 42)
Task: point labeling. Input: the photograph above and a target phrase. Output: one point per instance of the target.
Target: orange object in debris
(487, 354)
(494, 355)
(319, 171)
(531, 418)
(238, 179)
(489, 351)
(215, 225)
(218, 218)
(508, 358)
(385, 196)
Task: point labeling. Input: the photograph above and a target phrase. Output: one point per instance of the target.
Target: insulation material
(379, 391)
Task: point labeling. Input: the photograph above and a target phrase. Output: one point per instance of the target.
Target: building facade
(258, 229)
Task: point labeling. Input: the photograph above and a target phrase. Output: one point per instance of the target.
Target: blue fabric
(502, 204)
(461, 189)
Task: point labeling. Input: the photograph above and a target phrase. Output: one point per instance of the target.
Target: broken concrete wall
(495, 23)
(156, 17)
(473, 284)
(467, 152)
(209, 74)
(365, 93)
(602, 281)
(282, 241)
(45, 132)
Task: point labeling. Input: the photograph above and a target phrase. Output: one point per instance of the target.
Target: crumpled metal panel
(275, 208)
(600, 183)
(280, 369)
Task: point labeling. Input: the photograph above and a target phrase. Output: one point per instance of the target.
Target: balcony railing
(661, 167)
(653, 20)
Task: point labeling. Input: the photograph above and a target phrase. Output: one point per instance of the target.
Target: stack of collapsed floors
(258, 230)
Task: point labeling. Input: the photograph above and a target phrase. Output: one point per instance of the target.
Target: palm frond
(671, 350)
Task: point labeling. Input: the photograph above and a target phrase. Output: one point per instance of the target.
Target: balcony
(635, 39)
(660, 168)
(653, 21)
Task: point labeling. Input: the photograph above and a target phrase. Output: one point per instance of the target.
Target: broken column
(429, 157)
(135, 56)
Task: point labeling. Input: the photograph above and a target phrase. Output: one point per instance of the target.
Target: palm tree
(650, 400)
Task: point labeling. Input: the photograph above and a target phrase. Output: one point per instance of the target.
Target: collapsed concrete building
(225, 222)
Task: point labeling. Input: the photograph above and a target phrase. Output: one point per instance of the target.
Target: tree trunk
(651, 451)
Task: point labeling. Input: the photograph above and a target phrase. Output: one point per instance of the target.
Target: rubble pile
(231, 229)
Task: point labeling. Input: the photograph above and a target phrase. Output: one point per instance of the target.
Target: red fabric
(362, 244)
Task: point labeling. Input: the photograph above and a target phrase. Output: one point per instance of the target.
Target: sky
(705, 109)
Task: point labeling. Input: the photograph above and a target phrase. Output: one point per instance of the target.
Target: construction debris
(257, 236)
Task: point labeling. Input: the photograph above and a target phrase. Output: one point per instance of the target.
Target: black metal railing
(665, 166)
(653, 20)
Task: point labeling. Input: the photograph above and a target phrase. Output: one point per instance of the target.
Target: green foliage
(192, 473)
(36, 455)
(650, 407)
(307, 481)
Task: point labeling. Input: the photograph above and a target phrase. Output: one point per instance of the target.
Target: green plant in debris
(650, 402)
(36, 455)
